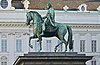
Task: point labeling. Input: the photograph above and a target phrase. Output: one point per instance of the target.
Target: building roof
(59, 4)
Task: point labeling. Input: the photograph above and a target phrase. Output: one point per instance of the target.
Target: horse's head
(35, 16)
(29, 18)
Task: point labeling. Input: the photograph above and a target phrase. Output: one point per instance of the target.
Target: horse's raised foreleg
(30, 45)
(32, 37)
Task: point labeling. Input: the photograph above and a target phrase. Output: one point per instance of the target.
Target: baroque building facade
(14, 34)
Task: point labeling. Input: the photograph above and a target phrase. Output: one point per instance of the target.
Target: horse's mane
(37, 14)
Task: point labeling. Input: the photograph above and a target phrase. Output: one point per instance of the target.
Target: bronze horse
(60, 32)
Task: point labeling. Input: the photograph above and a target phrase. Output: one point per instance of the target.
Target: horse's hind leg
(57, 46)
(66, 44)
(40, 42)
(61, 38)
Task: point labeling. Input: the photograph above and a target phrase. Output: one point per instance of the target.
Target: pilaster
(76, 42)
(88, 39)
(11, 47)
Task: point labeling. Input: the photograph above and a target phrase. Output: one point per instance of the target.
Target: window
(4, 4)
(93, 46)
(4, 45)
(48, 45)
(93, 62)
(18, 45)
(4, 63)
(37, 46)
(3, 60)
(82, 8)
(82, 45)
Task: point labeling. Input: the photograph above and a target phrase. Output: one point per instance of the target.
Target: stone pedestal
(52, 58)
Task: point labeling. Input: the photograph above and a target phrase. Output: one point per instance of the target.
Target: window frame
(18, 45)
(82, 45)
(93, 45)
(3, 45)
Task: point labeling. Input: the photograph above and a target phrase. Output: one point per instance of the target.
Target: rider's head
(49, 5)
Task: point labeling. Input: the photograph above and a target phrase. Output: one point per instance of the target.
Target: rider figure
(50, 17)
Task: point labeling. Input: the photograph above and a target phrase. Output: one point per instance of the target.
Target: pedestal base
(52, 58)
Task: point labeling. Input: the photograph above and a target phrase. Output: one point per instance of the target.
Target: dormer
(82, 8)
(6, 5)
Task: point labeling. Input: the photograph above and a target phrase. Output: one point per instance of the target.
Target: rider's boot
(43, 29)
(42, 33)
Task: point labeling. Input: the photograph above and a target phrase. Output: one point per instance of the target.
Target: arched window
(82, 8)
(3, 60)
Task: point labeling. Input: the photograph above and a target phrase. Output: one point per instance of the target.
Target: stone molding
(11, 24)
(22, 24)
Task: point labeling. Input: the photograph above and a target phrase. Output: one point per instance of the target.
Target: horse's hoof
(31, 46)
(37, 40)
(55, 50)
(65, 50)
(39, 50)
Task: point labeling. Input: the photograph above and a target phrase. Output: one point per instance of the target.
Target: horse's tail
(70, 41)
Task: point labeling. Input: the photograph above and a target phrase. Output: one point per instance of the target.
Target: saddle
(50, 28)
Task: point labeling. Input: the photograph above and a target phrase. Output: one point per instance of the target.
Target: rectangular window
(82, 45)
(37, 46)
(93, 46)
(48, 45)
(18, 45)
(4, 45)
(3, 63)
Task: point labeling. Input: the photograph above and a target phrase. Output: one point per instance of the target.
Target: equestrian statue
(47, 27)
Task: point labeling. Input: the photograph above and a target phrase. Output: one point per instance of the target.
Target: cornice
(85, 26)
(73, 25)
(13, 24)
